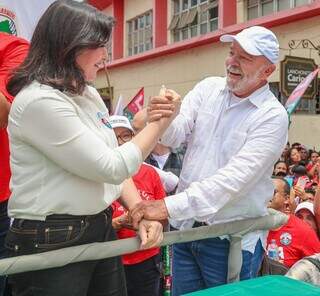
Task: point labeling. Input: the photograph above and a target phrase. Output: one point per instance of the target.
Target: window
(192, 18)
(283, 4)
(258, 8)
(140, 34)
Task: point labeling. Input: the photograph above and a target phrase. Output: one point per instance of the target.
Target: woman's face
(295, 155)
(314, 157)
(91, 61)
(281, 167)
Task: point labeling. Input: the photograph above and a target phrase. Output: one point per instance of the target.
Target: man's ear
(269, 70)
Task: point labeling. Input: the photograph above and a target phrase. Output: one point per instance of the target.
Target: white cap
(120, 121)
(305, 205)
(256, 41)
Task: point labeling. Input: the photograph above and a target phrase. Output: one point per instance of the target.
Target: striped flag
(298, 92)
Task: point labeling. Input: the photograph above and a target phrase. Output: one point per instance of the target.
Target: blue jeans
(103, 277)
(4, 226)
(203, 264)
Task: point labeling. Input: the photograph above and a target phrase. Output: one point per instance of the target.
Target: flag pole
(108, 82)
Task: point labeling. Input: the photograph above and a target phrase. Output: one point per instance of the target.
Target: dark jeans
(143, 278)
(98, 277)
(4, 226)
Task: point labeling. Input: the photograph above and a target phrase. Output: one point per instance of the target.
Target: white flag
(20, 17)
(118, 110)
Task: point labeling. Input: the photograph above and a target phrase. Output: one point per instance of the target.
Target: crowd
(296, 179)
(81, 176)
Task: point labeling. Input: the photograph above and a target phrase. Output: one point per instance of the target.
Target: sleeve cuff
(177, 206)
(132, 156)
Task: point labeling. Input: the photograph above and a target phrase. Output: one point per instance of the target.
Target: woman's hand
(166, 105)
(151, 233)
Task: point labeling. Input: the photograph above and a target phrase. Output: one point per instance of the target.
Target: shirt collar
(258, 96)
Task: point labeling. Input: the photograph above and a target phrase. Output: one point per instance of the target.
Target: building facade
(176, 43)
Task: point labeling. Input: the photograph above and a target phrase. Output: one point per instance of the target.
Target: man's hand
(149, 209)
(151, 233)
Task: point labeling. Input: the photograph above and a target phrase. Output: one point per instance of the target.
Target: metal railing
(95, 251)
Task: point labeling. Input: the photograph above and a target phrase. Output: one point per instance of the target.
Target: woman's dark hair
(289, 161)
(66, 28)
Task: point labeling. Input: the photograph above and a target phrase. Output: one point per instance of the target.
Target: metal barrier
(94, 251)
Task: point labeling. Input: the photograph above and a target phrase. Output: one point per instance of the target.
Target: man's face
(245, 72)
(280, 169)
(280, 199)
(303, 154)
(307, 217)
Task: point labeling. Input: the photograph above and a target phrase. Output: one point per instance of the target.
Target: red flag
(135, 104)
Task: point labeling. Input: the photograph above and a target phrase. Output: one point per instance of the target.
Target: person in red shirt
(13, 50)
(141, 267)
(313, 167)
(296, 239)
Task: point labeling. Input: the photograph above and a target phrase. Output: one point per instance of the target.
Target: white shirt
(64, 155)
(161, 159)
(230, 155)
(169, 180)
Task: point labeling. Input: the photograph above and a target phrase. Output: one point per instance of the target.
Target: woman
(66, 166)
(280, 169)
(294, 158)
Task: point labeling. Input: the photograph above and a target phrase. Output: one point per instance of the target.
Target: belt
(199, 224)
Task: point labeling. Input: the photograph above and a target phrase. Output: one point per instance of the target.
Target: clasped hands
(165, 105)
(145, 217)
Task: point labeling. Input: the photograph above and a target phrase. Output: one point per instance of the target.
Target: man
(13, 50)
(305, 212)
(304, 154)
(141, 267)
(296, 239)
(168, 165)
(236, 130)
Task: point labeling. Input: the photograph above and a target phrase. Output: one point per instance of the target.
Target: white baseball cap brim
(305, 205)
(120, 121)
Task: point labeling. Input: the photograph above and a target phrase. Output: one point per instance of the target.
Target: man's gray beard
(242, 85)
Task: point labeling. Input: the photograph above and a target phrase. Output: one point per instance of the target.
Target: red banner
(135, 105)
